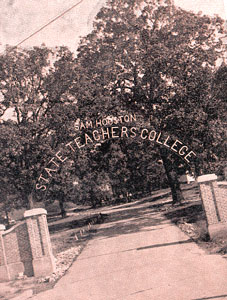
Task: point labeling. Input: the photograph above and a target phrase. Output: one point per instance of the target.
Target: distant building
(187, 178)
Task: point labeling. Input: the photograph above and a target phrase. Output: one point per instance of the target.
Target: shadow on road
(129, 219)
(214, 297)
(165, 244)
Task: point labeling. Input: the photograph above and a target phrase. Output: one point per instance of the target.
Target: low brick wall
(26, 248)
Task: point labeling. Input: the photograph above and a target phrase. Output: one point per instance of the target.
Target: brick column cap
(35, 212)
(207, 178)
(2, 227)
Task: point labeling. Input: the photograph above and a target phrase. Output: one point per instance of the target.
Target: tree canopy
(35, 83)
(145, 57)
(157, 60)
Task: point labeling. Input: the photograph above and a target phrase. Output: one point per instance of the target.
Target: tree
(156, 60)
(129, 164)
(35, 83)
(218, 117)
(8, 200)
(92, 184)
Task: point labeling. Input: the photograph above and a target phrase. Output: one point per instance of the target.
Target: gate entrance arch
(91, 134)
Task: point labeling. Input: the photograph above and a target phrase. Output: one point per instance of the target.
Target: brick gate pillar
(42, 258)
(4, 271)
(214, 204)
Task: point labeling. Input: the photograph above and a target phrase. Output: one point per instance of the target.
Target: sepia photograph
(113, 143)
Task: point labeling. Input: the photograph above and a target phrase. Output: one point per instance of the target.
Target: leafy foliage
(144, 57)
(157, 60)
(35, 85)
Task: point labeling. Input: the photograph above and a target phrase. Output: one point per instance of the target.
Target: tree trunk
(61, 205)
(29, 201)
(173, 181)
(176, 191)
(115, 192)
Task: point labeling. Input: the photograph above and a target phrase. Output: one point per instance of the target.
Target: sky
(21, 18)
